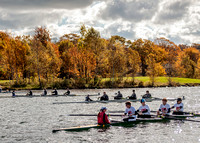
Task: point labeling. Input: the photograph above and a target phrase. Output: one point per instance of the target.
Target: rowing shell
(115, 123)
(121, 123)
(118, 101)
(98, 101)
(4, 92)
(72, 95)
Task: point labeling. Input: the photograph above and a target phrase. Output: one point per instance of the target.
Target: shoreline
(104, 83)
(160, 86)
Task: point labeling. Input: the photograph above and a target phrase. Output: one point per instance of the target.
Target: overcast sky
(177, 20)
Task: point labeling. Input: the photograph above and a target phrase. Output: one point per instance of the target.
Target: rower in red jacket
(102, 117)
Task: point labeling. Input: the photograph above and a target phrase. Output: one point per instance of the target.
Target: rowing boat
(41, 95)
(114, 123)
(118, 101)
(31, 96)
(4, 92)
(103, 101)
(122, 123)
(186, 115)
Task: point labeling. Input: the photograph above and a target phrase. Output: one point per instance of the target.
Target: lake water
(31, 120)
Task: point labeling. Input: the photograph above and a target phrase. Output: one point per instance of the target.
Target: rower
(119, 96)
(102, 117)
(13, 94)
(55, 92)
(87, 98)
(144, 110)
(130, 111)
(30, 93)
(147, 95)
(164, 108)
(133, 96)
(45, 92)
(0, 89)
(179, 107)
(68, 92)
(104, 97)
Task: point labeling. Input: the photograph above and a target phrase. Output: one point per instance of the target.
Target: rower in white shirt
(178, 107)
(130, 111)
(144, 110)
(164, 108)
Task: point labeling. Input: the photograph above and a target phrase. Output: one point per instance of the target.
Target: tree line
(87, 57)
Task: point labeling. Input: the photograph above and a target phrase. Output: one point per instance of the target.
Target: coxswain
(87, 98)
(45, 92)
(30, 93)
(164, 108)
(130, 111)
(102, 117)
(13, 93)
(119, 96)
(147, 95)
(68, 92)
(144, 110)
(133, 96)
(55, 92)
(104, 97)
(178, 107)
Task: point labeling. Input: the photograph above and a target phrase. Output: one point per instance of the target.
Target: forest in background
(87, 60)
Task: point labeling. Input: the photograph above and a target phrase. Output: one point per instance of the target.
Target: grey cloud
(10, 20)
(173, 11)
(135, 10)
(112, 30)
(178, 40)
(44, 4)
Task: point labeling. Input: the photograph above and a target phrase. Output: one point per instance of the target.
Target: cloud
(10, 20)
(130, 10)
(173, 10)
(124, 29)
(44, 4)
(174, 19)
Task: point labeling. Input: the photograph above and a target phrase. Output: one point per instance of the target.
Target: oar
(191, 120)
(192, 113)
(92, 115)
(116, 111)
(175, 118)
(123, 111)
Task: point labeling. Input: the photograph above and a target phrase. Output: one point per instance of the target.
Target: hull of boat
(109, 101)
(72, 95)
(120, 123)
(115, 123)
(118, 101)
(4, 92)
(41, 96)
(182, 116)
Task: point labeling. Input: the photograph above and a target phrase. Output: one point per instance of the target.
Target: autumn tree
(155, 68)
(189, 62)
(172, 52)
(116, 57)
(133, 62)
(44, 55)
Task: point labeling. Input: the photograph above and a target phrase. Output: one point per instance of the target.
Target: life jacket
(102, 118)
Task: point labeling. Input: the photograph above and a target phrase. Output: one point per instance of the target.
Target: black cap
(179, 99)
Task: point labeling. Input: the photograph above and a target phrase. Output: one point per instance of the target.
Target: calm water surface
(31, 120)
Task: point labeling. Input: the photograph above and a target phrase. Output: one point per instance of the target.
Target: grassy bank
(125, 82)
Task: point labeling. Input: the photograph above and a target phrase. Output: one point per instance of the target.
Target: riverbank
(126, 82)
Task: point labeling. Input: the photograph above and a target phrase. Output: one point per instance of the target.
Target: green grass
(127, 82)
(162, 80)
(186, 80)
(4, 81)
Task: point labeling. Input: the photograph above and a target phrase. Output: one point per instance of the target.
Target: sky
(176, 20)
